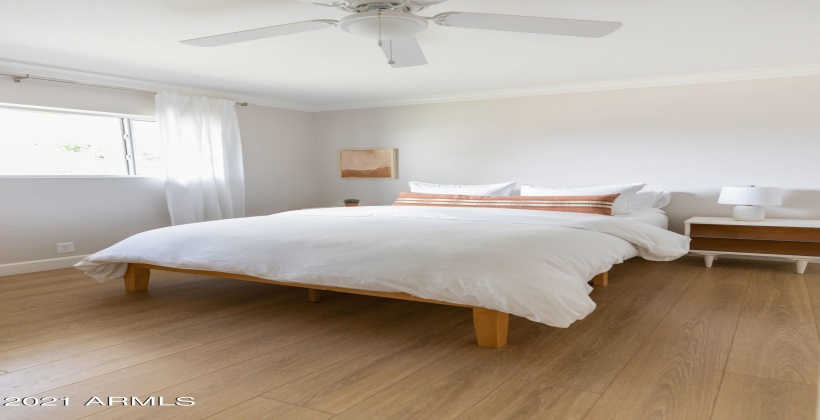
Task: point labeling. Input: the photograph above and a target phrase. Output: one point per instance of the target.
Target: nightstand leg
(708, 260)
(801, 266)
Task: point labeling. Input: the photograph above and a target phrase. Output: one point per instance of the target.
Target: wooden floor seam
(285, 402)
(555, 386)
(731, 345)
(771, 379)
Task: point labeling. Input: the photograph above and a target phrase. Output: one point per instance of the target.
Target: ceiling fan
(394, 24)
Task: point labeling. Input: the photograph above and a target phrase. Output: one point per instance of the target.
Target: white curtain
(203, 158)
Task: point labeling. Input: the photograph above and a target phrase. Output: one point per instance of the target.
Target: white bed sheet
(654, 217)
(533, 264)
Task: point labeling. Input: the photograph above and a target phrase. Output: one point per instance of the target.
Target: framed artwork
(367, 163)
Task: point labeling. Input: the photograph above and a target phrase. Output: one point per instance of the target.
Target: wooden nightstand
(797, 240)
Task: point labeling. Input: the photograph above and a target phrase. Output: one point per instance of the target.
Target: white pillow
(644, 200)
(664, 198)
(503, 189)
(626, 191)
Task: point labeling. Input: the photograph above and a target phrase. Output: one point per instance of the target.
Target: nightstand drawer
(776, 233)
(797, 240)
(756, 246)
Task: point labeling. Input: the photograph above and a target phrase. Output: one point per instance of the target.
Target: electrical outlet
(65, 247)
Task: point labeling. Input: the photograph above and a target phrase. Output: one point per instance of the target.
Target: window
(147, 147)
(52, 142)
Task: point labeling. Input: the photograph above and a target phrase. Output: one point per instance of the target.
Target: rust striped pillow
(591, 204)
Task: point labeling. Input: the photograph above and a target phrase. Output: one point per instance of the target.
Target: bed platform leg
(491, 327)
(601, 279)
(136, 278)
(313, 295)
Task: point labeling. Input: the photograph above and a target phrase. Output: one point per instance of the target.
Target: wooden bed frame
(491, 326)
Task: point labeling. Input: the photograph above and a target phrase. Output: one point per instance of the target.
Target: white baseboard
(39, 265)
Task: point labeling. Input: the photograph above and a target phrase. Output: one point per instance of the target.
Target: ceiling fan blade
(254, 34)
(530, 24)
(404, 52)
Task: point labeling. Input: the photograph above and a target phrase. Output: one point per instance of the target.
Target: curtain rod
(20, 77)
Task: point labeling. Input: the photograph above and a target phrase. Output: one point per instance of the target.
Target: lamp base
(749, 213)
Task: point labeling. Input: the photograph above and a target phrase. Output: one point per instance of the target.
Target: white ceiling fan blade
(254, 34)
(404, 52)
(530, 24)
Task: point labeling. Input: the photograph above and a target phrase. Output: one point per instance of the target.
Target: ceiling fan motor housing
(364, 6)
(383, 24)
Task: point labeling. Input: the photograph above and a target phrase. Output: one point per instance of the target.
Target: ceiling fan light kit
(394, 24)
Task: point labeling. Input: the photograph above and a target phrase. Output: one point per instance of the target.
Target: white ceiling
(331, 69)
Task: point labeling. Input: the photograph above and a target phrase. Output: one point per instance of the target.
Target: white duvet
(533, 264)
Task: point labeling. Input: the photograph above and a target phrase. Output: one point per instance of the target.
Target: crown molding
(149, 87)
(81, 77)
(677, 80)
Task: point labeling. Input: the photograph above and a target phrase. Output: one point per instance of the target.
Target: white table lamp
(749, 201)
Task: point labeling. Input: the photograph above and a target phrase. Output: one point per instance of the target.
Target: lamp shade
(750, 196)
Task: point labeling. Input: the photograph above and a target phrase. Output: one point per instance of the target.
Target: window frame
(125, 137)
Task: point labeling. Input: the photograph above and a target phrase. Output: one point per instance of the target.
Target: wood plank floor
(667, 341)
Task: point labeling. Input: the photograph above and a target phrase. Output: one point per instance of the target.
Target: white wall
(36, 213)
(687, 139)
(277, 148)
